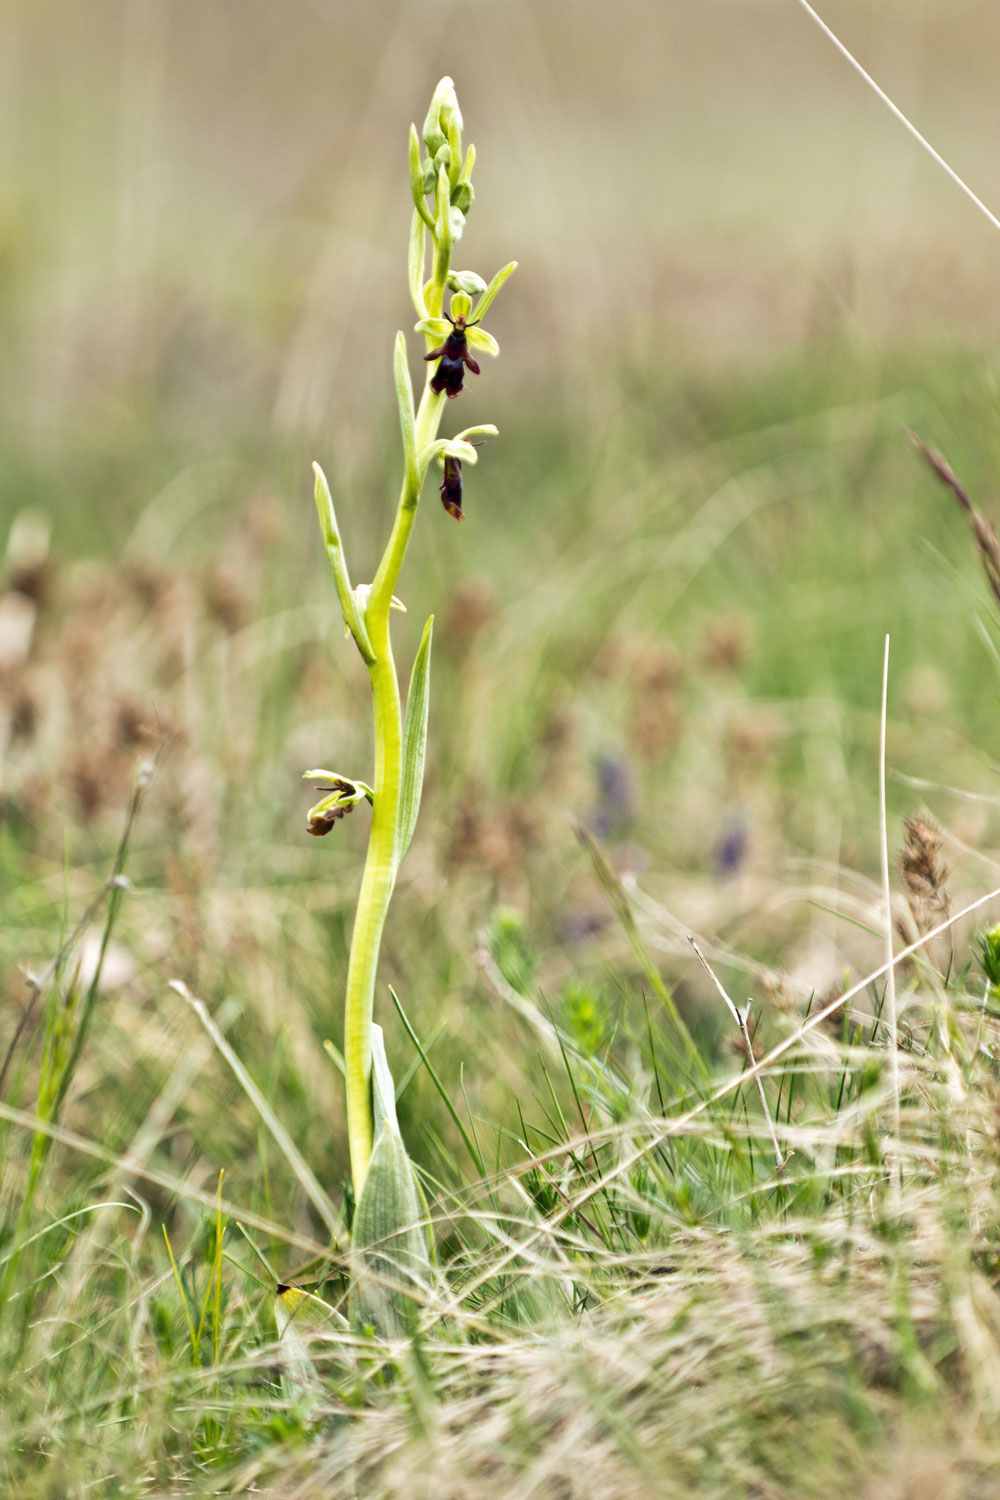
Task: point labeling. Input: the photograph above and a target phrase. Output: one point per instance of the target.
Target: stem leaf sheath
(392, 1261)
(415, 741)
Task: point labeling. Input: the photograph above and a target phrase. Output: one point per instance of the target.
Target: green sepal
(483, 429)
(414, 742)
(482, 306)
(461, 305)
(338, 565)
(434, 328)
(392, 1271)
(453, 447)
(479, 339)
(417, 180)
(352, 788)
(407, 419)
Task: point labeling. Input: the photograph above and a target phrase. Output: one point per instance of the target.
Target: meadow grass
(681, 1251)
(656, 713)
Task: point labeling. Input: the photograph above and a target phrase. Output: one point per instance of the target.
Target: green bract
(392, 1266)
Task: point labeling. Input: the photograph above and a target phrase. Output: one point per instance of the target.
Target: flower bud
(456, 224)
(444, 111)
(462, 195)
(466, 281)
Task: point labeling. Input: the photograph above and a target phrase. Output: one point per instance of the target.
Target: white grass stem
(891, 1016)
(907, 124)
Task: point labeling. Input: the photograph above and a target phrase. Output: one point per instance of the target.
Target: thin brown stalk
(983, 530)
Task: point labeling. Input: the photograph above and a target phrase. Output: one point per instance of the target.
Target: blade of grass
(300, 1167)
(470, 1145)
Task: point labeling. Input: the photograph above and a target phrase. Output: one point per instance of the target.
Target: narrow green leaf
(338, 564)
(417, 180)
(335, 1055)
(179, 1281)
(415, 265)
(622, 908)
(415, 742)
(483, 305)
(470, 1145)
(407, 420)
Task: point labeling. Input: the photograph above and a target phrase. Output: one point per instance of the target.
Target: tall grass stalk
(894, 108)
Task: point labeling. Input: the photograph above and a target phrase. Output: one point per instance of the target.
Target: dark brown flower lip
(455, 357)
(451, 487)
(320, 824)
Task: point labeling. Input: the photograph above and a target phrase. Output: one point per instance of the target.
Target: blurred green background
(739, 282)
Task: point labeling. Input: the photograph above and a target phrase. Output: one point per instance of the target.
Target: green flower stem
(381, 862)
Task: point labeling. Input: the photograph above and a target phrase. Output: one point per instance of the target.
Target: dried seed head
(726, 644)
(925, 874)
(924, 870)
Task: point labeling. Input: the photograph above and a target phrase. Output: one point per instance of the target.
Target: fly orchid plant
(389, 1201)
